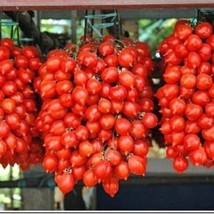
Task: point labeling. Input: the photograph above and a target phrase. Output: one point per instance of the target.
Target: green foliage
(153, 31)
(9, 29)
(10, 197)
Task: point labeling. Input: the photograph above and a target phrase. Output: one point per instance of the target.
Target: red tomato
(204, 30)
(182, 29)
(180, 164)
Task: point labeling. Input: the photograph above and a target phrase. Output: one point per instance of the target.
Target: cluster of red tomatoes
(186, 98)
(86, 112)
(96, 113)
(18, 109)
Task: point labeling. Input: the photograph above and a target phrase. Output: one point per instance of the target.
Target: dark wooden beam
(97, 4)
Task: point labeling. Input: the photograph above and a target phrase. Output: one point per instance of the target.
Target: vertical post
(86, 25)
(1, 25)
(38, 19)
(11, 189)
(73, 25)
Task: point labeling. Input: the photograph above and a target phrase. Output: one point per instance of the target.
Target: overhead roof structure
(97, 4)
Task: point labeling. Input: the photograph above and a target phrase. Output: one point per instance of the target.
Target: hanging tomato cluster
(96, 113)
(92, 106)
(18, 109)
(186, 98)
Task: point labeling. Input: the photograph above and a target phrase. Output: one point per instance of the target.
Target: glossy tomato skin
(136, 165)
(182, 29)
(96, 110)
(106, 48)
(204, 30)
(65, 182)
(180, 164)
(111, 186)
(127, 58)
(186, 114)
